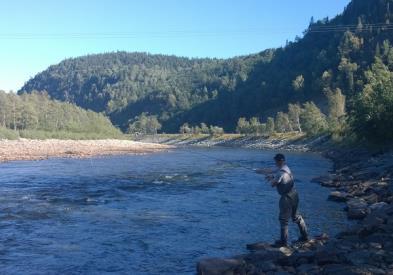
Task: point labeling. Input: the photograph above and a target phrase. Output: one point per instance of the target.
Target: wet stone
(260, 256)
(326, 256)
(338, 196)
(266, 266)
(357, 208)
(379, 208)
(307, 269)
(217, 266)
(375, 245)
(290, 269)
(327, 180)
(358, 257)
(372, 198)
(286, 251)
(338, 269)
(372, 222)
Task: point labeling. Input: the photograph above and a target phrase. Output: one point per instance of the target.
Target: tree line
(35, 114)
(307, 118)
(203, 128)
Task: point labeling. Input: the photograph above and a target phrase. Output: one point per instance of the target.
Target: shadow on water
(152, 214)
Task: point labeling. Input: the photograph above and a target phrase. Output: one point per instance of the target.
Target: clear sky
(36, 34)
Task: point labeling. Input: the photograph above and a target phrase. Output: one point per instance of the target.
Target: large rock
(378, 206)
(307, 269)
(366, 174)
(266, 266)
(326, 256)
(267, 248)
(351, 270)
(338, 196)
(357, 209)
(217, 266)
(359, 257)
(371, 198)
(327, 181)
(371, 223)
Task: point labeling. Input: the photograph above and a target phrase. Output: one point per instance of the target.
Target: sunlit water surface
(150, 214)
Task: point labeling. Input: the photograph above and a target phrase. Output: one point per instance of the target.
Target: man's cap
(279, 157)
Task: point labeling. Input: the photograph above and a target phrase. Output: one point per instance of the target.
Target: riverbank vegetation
(203, 129)
(36, 116)
(308, 119)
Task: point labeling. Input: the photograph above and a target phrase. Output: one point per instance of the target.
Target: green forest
(35, 115)
(337, 78)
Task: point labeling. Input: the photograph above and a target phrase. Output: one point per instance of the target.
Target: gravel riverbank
(364, 181)
(288, 142)
(25, 149)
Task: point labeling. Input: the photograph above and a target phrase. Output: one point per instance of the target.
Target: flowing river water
(148, 214)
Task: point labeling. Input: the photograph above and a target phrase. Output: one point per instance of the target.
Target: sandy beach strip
(26, 149)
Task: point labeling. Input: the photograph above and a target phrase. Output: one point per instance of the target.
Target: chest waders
(288, 204)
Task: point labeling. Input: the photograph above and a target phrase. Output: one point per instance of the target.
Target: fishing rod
(233, 163)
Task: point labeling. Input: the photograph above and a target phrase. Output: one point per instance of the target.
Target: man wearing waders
(284, 182)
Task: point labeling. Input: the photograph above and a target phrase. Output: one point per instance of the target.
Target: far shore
(287, 142)
(29, 149)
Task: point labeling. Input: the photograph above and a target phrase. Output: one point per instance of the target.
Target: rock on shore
(24, 149)
(364, 181)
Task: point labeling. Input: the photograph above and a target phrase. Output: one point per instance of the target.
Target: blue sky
(36, 34)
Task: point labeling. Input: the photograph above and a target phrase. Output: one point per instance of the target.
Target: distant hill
(127, 84)
(331, 54)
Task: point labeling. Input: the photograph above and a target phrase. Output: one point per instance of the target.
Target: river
(148, 214)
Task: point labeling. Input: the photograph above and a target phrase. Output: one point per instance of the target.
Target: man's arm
(264, 171)
(269, 174)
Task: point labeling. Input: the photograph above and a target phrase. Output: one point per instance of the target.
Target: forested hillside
(124, 85)
(345, 55)
(36, 116)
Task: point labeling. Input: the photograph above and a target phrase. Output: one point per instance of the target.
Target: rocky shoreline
(290, 142)
(364, 181)
(26, 149)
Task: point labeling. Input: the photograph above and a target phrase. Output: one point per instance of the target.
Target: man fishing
(283, 180)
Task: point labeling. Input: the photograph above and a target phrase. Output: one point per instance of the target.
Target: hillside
(126, 84)
(36, 116)
(332, 54)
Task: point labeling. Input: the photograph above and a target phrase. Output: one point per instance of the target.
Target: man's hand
(274, 183)
(269, 175)
(272, 180)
